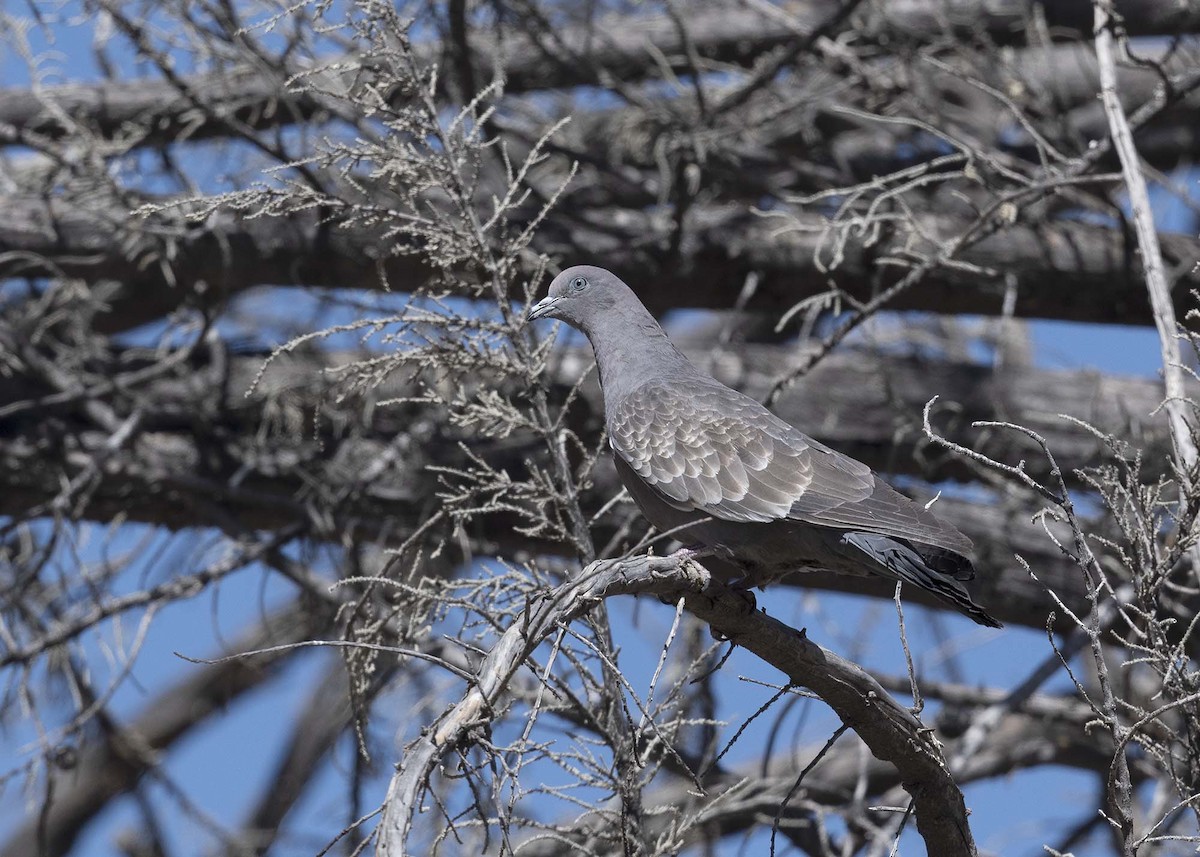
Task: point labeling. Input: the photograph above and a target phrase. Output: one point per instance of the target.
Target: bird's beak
(542, 309)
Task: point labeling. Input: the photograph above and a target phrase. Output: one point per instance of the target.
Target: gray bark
(158, 110)
(1063, 270)
(189, 467)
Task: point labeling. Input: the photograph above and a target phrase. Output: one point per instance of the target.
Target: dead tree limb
(1178, 410)
(893, 733)
(1063, 270)
(153, 111)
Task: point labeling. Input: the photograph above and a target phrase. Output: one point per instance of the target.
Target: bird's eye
(578, 284)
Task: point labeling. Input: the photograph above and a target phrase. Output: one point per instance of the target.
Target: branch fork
(892, 732)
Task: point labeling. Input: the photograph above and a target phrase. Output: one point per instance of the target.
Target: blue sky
(225, 763)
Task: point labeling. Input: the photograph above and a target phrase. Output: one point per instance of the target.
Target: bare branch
(1182, 434)
(892, 732)
(1064, 270)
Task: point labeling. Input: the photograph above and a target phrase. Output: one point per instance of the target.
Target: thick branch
(1064, 270)
(156, 268)
(1177, 408)
(1010, 20)
(154, 111)
(183, 469)
(893, 733)
(819, 144)
(325, 717)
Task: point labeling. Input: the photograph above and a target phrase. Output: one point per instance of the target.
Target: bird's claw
(685, 554)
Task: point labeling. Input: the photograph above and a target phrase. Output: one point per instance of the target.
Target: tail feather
(933, 569)
(943, 561)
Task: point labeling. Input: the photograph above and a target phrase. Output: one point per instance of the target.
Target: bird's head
(581, 295)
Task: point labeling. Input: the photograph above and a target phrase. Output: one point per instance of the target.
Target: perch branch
(892, 732)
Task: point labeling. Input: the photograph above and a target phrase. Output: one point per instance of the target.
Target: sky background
(222, 765)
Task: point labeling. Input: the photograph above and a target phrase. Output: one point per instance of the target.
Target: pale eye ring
(578, 284)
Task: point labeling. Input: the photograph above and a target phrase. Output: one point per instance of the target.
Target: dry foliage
(395, 470)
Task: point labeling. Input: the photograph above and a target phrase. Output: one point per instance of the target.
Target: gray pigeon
(723, 474)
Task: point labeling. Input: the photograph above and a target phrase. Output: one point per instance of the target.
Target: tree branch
(892, 732)
(154, 111)
(106, 769)
(1063, 270)
(1161, 301)
(182, 470)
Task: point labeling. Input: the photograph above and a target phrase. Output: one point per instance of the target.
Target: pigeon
(730, 480)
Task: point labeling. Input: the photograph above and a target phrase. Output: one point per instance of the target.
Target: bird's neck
(640, 347)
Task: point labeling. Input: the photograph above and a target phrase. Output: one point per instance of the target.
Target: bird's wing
(703, 446)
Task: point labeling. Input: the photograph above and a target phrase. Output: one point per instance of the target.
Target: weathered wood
(1062, 270)
(156, 110)
(893, 734)
(188, 468)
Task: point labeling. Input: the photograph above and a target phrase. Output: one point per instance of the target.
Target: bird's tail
(933, 569)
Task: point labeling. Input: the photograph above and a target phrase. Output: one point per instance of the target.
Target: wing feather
(705, 447)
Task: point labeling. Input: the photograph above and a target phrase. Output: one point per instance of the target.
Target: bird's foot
(682, 556)
(739, 587)
(686, 553)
